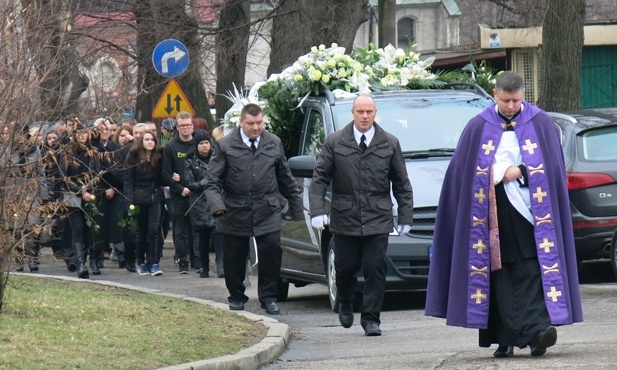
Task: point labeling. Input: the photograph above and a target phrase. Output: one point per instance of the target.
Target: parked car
(428, 124)
(589, 139)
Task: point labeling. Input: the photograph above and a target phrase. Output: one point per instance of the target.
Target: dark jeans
(369, 253)
(149, 233)
(205, 238)
(236, 252)
(217, 242)
(183, 232)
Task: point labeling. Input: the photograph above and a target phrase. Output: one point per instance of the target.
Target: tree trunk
(158, 20)
(231, 48)
(301, 24)
(561, 55)
(61, 84)
(387, 22)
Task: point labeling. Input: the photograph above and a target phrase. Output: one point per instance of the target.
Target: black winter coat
(80, 167)
(195, 173)
(174, 155)
(142, 185)
(249, 186)
(360, 184)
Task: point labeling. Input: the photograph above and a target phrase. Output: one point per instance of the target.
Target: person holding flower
(79, 165)
(144, 189)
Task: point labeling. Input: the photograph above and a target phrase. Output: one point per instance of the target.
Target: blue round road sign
(170, 58)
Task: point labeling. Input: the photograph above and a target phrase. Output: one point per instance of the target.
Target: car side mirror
(302, 165)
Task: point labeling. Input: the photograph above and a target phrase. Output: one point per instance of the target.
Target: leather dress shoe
(345, 315)
(504, 351)
(372, 329)
(236, 305)
(272, 308)
(543, 340)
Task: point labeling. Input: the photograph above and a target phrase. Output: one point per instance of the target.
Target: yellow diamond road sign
(171, 102)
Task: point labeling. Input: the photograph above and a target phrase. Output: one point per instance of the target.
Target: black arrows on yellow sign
(171, 102)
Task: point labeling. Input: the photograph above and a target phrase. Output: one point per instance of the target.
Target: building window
(405, 32)
(526, 62)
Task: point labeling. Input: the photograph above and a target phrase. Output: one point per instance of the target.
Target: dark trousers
(149, 233)
(183, 238)
(78, 225)
(115, 212)
(81, 233)
(205, 239)
(236, 252)
(369, 253)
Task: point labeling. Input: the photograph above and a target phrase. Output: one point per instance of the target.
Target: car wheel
(282, 290)
(614, 253)
(331, 274)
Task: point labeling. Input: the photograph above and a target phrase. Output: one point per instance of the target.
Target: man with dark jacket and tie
(248, 176)
(360, 163)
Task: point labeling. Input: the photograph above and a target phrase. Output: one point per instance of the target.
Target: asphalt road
(410, 340)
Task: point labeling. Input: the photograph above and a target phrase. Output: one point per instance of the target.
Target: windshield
(420, 126)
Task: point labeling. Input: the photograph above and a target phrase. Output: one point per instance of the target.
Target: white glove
(319, 222)
(403, 229)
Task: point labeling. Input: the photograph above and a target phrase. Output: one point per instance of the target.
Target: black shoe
(33, 267)
(70, 265)
(19, 268)
(121, 263)
(130, 267)
(82, 271)
(94, 266)
(236, 305)
(100, 264)
(543, 340)
(504, 351)
(204, 274)
(372, 329)
(183, 268)
(345, 315)
(272, 308)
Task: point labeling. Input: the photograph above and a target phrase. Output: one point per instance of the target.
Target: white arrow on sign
(177, 55)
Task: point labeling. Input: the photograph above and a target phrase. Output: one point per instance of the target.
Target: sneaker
(183, 269)
(143, 270)
(114, 256)
(155, 270)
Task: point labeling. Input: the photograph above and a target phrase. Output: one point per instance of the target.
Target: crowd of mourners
(109, 190)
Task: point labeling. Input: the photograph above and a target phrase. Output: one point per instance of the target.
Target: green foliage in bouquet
(482, 75)
(130, 220)
(91, 212)
(285, 117)
(363, 71)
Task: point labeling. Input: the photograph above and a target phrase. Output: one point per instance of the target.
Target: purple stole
(483, 250)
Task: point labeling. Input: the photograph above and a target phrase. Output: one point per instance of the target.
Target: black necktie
(363, 143)
(253, 147)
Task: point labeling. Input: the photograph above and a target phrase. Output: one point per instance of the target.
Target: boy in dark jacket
(174, 155)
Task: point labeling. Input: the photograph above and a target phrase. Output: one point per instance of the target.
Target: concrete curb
(262, 353)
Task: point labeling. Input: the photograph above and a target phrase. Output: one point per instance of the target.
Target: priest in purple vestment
(503, 255)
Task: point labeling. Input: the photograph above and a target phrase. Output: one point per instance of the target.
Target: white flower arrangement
(363, 71)
(345, 75)
(240, 98)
